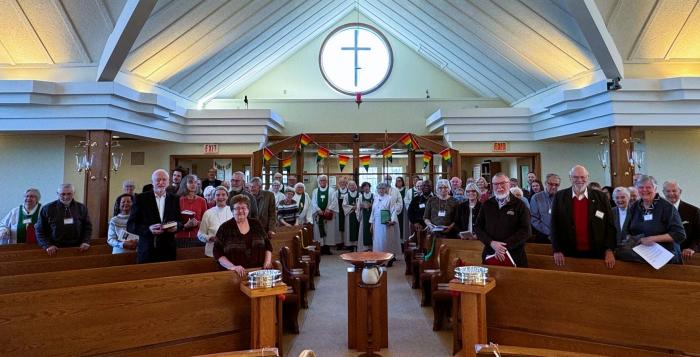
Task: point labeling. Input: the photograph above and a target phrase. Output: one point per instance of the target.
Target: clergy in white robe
(341, 192)
(385, 222)
(212, 219)
(364, 212)
(304, 203)
(352, 222)
(324, 210)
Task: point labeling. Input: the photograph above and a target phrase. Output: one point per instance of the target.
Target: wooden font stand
(473, 311)
(263, 314)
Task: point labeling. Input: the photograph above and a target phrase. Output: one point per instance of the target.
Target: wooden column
(455, 168)
(356, 162)
(97, 181)
(411, 167)
(257, 163)
(300, 164)
(473, 310)
(263, 314)
(620, 171)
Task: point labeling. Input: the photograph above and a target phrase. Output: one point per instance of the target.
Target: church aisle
(323, 326)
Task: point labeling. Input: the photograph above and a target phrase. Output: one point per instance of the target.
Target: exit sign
(211, 148)
(500, 146)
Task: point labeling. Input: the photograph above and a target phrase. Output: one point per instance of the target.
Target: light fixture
(116, 156)
(84, 158)
(604, 153)
(635, 158)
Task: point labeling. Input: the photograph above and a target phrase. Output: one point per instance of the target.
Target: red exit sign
(500, 146)
(211, 148)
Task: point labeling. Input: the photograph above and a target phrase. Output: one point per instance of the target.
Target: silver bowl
(472, 275)
(265, 278)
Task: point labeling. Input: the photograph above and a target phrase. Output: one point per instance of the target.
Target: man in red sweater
(582, 222)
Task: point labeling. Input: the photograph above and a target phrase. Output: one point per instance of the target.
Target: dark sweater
(509, 224)
(247, 250)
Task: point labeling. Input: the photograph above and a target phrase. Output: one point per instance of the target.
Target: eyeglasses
(443, 188)
(471, 191)
(501, 183)
(553, 184)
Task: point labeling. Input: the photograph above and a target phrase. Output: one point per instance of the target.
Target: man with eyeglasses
(541, 209)
(503, 224)
(238, 188)
(63, 223)
(582, 222)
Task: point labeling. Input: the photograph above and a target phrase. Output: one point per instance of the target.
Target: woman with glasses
(467, 212)
(441, 212)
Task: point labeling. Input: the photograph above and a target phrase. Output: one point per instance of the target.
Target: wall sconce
(635, 158)
(84, 160)
(604, 153)
(117, 157)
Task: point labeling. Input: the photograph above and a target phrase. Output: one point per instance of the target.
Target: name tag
(68, 220)
(422, 205)
(599, 214)
(648, 217)
(27, 221)
(550, 211)
(323, 197)
(510, 213)
(442, 213)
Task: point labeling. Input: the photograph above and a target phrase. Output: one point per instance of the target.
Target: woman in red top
(192, 208)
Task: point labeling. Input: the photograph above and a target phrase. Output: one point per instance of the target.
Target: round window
(355, 58)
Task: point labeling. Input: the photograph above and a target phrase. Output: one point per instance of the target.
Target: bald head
(672, 191)
(579, 179)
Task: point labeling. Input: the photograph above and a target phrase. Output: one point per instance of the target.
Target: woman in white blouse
(117, 236)
(212, 219)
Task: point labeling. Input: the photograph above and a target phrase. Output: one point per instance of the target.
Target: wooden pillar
(473, 310)
(620, 142)
(97, 181)
(431, 170)
(257, 163)
(300, 164)
(411, 169)
(263, 314)
(356, 162)
(455, 168)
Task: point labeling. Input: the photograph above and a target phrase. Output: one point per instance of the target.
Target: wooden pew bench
(593, 313)
(50, 264)
(174, 316)
(22, 246)
(34, 254)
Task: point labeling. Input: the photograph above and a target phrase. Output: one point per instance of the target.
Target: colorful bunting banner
(267, 154)
(427, 156)
(304, 140)
(321, 154)
(364, 161)
(446, 155)
(287, 164)
(343, 161)
(407, 140)
(387, 154)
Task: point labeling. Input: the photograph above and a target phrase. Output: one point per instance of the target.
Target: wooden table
(473, 311)
(368, 330)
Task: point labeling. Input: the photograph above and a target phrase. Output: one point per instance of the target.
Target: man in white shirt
(690, 216)
(621, 196)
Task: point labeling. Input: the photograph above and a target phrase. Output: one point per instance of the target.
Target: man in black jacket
(63, 223)
(155, 217)
(582, 222)
(503, 223)
(690, 216)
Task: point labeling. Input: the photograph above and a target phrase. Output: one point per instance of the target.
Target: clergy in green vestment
(366, 198)
(352, 223)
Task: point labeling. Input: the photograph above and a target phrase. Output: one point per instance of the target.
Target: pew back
(22, 246)
(34, 254)
(143, 317)
(614, 312)
(82, 277)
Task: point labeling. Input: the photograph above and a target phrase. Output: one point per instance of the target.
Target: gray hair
(256, 180)
(35, 191)
(672, 182)
(443, 181)
(516, 191)
(128, 183)
(239, 173)
(153, 175)
(383, 185)
(571, 172)
(65, 185)
(622, 190)
(182, 190)
(209, 192)
(220, 188)
(551, 175)
(300, 184)
(644, 179)
(499, 174)
(472, 187)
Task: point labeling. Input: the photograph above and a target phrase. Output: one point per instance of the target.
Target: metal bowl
(472, 275)
(265, 278)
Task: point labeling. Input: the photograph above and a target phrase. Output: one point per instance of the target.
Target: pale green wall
(29, 160)
(674, 155)
(300, 75)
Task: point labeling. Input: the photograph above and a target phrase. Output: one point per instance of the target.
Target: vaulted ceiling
(199, 48)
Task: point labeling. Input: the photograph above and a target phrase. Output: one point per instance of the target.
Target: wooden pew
(174, 316)
(82, 277)
(593, 313)
(22, 246)
(34, 254)
(487, 351)
(84, 262)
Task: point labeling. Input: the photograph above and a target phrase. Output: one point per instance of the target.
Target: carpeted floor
(323, 327)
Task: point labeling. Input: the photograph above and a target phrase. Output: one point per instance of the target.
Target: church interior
(98, 92)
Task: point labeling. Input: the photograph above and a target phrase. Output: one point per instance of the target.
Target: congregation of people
(234, 221)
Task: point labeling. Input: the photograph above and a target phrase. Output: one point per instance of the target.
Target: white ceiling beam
(122, 38)
(596, 33)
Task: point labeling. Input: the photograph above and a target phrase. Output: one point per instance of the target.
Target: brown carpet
(323, 327)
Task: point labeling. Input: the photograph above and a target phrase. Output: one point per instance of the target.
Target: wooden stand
(473, 310)
(263, 314)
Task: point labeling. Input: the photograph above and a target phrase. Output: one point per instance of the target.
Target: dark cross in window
(356, 49)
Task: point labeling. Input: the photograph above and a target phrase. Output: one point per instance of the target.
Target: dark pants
(159, 249)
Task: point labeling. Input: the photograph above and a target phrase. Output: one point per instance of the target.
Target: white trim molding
(37, 106)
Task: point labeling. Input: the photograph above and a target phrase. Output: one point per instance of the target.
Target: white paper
(209, 250)
(438, 228)
(656, 255)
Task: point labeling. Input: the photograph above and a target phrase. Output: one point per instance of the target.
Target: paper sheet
(656, 255)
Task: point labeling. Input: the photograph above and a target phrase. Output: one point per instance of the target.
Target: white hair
(621, 189)
(65, 185)
(516, 191)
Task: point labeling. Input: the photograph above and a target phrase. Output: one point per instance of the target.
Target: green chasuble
(322, 202)
(23, 227)
(341, 214)
(366, 213)
(354, 224)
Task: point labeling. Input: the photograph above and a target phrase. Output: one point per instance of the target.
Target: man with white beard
(324, 209)
(503, 224)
